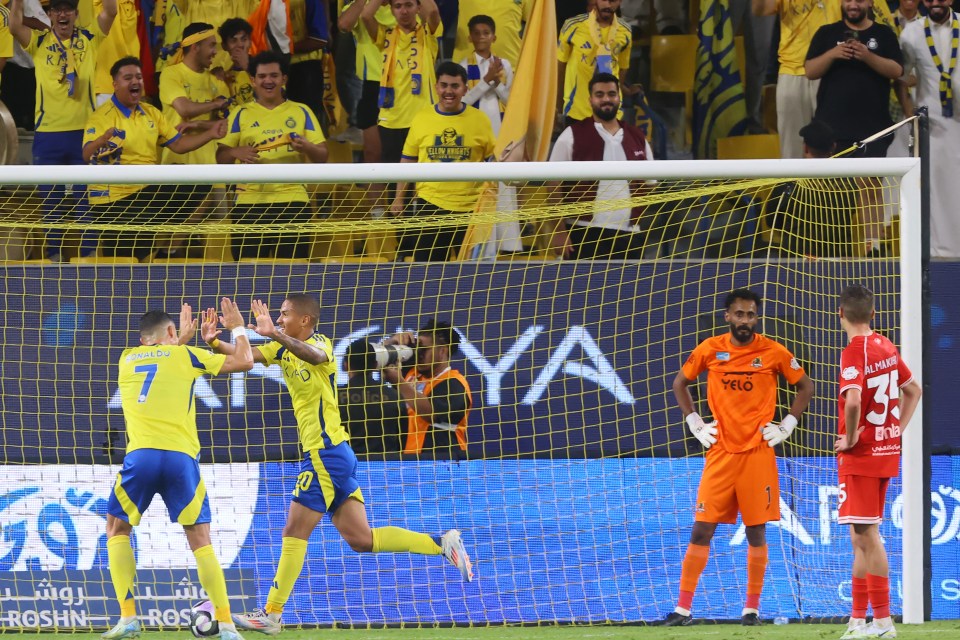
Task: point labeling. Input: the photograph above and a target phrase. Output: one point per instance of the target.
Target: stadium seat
(673, 69)
(180, 260)
(759, 147)
(274, 261)
(356, 260)
(103, 260)
(11, 263)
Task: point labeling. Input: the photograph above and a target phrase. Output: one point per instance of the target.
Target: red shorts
(862, 499)
(739, 482)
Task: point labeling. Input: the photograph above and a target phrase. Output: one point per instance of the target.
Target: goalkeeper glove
(775, 433)
(705, 432)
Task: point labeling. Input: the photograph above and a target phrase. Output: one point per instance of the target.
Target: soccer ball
(203, 623)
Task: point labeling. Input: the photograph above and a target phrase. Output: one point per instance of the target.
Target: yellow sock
(123, 572)
(292, 554)
(211, 579)
(395, 539)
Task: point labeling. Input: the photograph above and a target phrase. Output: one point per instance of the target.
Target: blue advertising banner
(579, 540)
(566, 360)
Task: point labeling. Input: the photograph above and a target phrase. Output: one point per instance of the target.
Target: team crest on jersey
(850, 373)
(290, 123)
(757, 363)
(701, 507)
(448, 147)
(872, 44)
(794, 364)
(723, 356)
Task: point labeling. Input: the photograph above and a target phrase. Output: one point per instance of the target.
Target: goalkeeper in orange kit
(740, 473)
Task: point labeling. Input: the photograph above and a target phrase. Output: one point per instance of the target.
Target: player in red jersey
(873, 377)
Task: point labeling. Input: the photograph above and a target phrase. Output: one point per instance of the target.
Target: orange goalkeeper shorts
(739, 482)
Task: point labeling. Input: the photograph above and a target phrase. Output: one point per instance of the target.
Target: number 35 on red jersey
(872, 365)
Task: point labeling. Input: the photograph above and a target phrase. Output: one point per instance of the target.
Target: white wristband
(237, 332)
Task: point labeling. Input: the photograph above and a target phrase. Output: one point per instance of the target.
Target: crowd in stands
(271, 81)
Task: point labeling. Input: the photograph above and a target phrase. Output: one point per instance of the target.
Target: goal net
(576, 494)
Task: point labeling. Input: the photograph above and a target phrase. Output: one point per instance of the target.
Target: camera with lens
(378, 356)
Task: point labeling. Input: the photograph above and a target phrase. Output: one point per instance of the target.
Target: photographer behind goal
(373, 412)
(437, 396)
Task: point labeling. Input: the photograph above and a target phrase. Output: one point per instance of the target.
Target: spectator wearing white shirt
(606, 234)
(489, 79)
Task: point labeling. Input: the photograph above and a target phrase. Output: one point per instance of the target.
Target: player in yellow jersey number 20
(327, 482)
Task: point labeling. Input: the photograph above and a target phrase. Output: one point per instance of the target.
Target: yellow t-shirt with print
(269, 130)
(56, 110)
(180, 81)
(578, 50)
(434, 136)
(508, 15)
(414, 77)
(240, 85)
(156, 391)
(799, 20)
(369, 64)
(144, 129)
(122, 41)
(313, 391)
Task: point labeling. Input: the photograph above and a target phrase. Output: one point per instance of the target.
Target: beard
(606, 113)
(855, 18)
(939, 12)
(742, 333)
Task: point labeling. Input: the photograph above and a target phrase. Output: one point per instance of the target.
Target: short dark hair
(268, 57)
(857, 303)
(356, 356)
(603, 77)
(192, 28)
(741, 294)
(449, 68)
(123, 62)
(306, 304)
(152, 321)
(443, 333)
(482, 19)
(818, 135)
(232, 27)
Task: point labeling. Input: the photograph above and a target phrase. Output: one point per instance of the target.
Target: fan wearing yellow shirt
(6, 38)
(311, 33)
(156, 381)
(409, 51)
(369, 69)
(509, 16)
(120, 42)
(450, 131)
(235, 36)
(327, 482)
(65, 59)
(591, 43)
(271, 130)
(126, 130)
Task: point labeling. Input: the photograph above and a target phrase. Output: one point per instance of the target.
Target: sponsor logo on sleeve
(850, 373)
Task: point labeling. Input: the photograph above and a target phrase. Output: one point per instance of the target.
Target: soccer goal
(577, 490)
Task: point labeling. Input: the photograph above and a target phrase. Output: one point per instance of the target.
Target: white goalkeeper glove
(775, 433)
(705, 432)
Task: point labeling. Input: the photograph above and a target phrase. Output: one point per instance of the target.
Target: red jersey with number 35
(873, 365)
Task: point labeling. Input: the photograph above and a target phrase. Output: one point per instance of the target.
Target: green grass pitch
(949, 630)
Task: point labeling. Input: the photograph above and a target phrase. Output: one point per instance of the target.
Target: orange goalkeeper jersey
(742, 385)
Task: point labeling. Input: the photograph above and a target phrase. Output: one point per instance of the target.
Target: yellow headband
(200, 36)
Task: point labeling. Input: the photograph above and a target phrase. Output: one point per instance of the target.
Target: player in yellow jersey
(591, 43)
(156, 381)
(271, 130)
(328, 473)
(450, 131)
(65, 60)
(235, 36)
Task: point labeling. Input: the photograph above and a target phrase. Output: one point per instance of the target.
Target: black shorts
(430, 244)
(135, 211)
(288, 244)
(391, 144)
(368, 109)
(305, 84)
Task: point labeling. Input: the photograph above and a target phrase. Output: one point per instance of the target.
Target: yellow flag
(528, 118)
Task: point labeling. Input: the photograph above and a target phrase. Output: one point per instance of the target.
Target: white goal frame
(906, 170)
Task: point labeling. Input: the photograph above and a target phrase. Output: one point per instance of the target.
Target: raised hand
(230, 314)
(188, 324)
(264, 323)
(209, 330)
